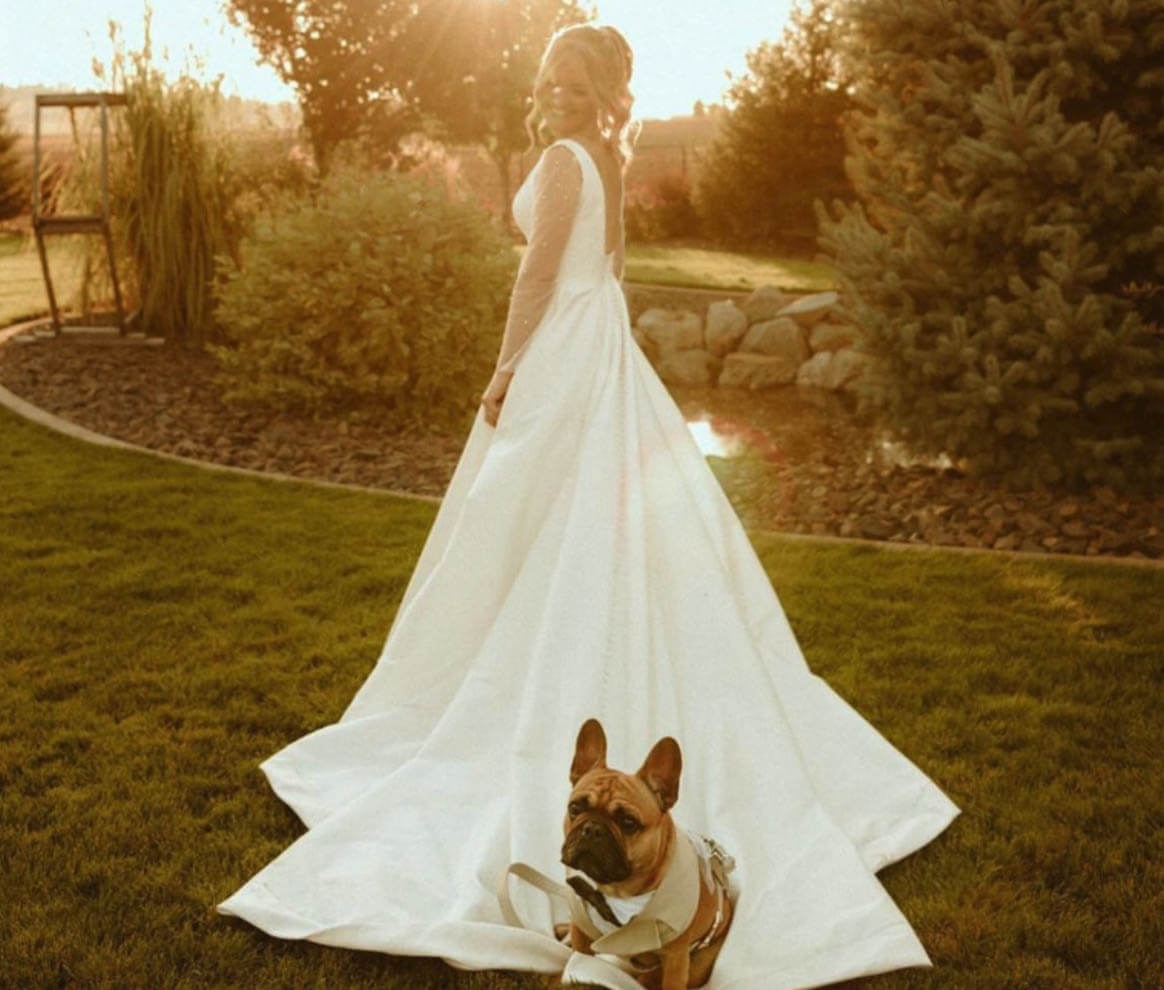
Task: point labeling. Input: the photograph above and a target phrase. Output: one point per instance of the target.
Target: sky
(683, 49)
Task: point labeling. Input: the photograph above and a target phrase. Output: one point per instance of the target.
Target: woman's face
(570, 104)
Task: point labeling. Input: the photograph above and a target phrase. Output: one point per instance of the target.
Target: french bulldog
(649, 877)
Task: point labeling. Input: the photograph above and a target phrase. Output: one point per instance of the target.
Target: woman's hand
(494, 395)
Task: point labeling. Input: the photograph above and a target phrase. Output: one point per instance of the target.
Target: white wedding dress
(585, 562)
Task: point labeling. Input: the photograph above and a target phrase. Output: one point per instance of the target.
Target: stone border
(35, 414)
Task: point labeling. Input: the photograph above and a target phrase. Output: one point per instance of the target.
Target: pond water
(792, 424)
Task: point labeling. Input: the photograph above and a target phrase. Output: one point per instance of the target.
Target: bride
(584, 562)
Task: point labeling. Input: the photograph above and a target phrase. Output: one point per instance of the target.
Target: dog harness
(668, 911)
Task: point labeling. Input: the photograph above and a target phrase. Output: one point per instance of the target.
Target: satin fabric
(585, 562)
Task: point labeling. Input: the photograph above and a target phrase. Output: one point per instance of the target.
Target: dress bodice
(585, 259)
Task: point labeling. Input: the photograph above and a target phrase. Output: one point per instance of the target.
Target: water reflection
(890, 452)
(712, 443)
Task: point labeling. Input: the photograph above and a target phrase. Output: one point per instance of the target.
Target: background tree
(376, 69)
(472, 66)
(340, 57)
(781, 145)
(1008, 161)
(13, 181)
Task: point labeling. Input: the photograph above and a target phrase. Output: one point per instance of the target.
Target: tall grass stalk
(173, 206)
(171, 194)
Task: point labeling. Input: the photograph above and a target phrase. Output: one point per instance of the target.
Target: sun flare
(710, 443)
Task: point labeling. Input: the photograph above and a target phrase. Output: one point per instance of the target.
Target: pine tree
(13, 182)
(1008, 158)
(781, 145)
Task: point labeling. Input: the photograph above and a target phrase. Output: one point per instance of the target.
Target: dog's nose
(591, 830)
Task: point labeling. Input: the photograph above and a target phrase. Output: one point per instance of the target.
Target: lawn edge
(27, 410)
(22, 407)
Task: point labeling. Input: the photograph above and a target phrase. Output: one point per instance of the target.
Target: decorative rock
(776, 338)
(645, 344)
(875, 529)
(818, 371)
(831, 337)
(848, 366)
(810, 310)
(687, 367)
(672, 329)
(764, 303)
(726, 326)
(757, 371)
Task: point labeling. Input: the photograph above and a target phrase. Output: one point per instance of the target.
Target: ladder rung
(70, 225)
(80, 99)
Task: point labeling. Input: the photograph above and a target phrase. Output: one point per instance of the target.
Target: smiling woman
(567, 95)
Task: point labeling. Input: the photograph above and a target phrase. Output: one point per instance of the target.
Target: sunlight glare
(710, 443)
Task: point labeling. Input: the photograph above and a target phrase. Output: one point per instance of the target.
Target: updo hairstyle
(609, 61)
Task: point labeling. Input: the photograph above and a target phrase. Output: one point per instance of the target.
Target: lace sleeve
(557, 193)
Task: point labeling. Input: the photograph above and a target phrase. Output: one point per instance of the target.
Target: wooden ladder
(44, 224)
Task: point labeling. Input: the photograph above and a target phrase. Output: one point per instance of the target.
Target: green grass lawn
(23, 295)
(163, 629)
(707, 268)
(22, 291)
(702, 268)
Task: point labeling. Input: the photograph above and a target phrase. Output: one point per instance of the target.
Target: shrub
(660, 209)
(1003, 258)
(376, 296)
(264, 164)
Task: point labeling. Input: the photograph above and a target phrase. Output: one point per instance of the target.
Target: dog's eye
(629, 824)
(576, 808)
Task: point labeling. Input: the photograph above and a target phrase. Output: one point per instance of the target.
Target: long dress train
(585, 562)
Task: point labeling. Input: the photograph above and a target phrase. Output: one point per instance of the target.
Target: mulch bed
(806, 463)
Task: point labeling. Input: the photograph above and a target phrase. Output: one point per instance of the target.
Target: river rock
(754, 371)
(687, 367)
(808, 311)
(764, 303)
(828, 369)
(817, 371)
(781, 338)
(831, 337)
(672, 329)
(646, 345)
(726, 326)
(848, 366)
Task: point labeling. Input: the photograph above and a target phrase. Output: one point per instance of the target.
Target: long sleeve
(557, 193)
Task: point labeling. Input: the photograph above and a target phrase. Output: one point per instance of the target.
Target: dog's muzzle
(591, 848)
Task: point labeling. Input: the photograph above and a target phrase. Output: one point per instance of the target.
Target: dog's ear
(660, 772)
(589, 750)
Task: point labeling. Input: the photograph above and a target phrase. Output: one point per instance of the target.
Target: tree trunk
(501, 158)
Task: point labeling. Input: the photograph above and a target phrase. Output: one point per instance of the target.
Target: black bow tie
(593, 897)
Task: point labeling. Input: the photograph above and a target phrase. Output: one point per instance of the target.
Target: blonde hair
(609, 62)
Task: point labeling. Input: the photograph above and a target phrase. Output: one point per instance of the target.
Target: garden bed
(798, 460)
